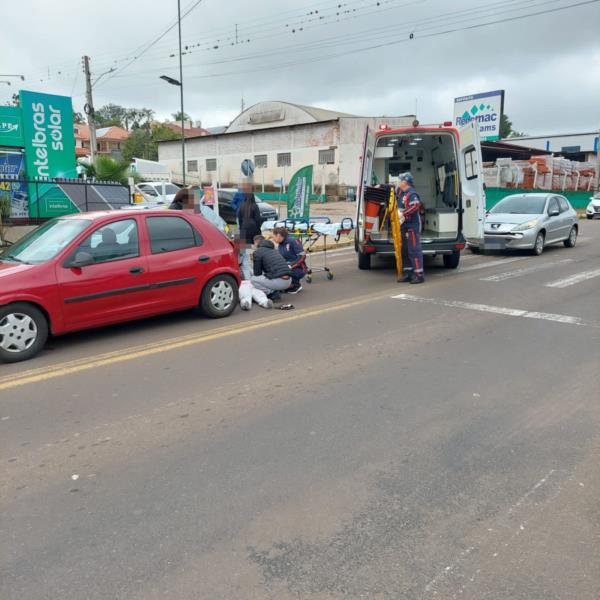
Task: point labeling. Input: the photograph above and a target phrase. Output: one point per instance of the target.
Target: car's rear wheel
(219, 297)
(451, 261)
(572, 239)
(23, 332)
(364, 261)
(538, 246)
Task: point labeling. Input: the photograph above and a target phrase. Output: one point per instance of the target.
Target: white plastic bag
(246, 292)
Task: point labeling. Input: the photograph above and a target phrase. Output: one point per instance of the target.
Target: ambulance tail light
(447, 123)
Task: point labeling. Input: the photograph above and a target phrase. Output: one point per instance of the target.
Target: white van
(446, 165)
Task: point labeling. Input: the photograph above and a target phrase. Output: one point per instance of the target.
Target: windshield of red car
(45, 242)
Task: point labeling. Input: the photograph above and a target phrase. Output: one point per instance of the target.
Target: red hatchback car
(92, 269)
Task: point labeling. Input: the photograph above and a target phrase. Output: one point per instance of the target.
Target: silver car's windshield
(520, 205)
(45, 242)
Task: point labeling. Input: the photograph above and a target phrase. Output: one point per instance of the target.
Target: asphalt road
(381, 441)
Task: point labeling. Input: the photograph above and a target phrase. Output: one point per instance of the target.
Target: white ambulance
(446, 166)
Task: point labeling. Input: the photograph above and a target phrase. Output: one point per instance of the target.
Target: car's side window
(564, 205)
(171, 233)
(115, 241)
(553, 206)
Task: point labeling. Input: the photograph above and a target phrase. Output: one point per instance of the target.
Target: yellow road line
(127, 354)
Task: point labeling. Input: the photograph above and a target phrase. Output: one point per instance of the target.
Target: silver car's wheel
(221, 295)
(538, 247)
(23, 331)
(572, 239)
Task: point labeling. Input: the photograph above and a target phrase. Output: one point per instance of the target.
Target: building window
(327, 157)
(192, 166)
(284, 159)
(260, 161)
(211, 164)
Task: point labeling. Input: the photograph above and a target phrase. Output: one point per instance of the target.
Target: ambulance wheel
(364, 261)
(474, 249)
(330, 275)
(451, 261)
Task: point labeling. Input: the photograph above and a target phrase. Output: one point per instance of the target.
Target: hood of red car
(9, 268)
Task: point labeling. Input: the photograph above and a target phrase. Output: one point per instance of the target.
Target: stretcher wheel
(309, 279)
(330, 275)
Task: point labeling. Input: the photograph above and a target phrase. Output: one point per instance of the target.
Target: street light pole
(181, 95)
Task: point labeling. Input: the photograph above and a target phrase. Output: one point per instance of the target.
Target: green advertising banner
(49, 150)
(299, 192)
(11, 128)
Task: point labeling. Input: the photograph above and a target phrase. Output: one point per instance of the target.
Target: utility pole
(89, 108)
(181, 96)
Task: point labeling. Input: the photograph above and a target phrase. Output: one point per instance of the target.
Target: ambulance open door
(366, 170)
(471, 178)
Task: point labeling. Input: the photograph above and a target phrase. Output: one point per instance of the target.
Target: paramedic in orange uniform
(409, 208)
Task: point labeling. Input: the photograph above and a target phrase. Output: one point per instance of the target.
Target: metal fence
(28, 201)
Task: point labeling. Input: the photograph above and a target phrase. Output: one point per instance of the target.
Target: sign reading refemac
(485, 108)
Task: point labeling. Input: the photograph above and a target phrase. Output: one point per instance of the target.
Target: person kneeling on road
(272, 274)
(293, 252)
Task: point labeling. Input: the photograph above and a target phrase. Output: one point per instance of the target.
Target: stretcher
(311, 232)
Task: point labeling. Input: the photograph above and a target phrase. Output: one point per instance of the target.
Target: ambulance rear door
(366, 170)
(471, 183)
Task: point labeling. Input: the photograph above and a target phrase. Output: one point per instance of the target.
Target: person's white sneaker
(246, 304)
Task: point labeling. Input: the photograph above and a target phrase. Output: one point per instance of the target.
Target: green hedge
(578, 200)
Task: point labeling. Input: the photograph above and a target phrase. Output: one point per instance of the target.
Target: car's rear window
(171, 233)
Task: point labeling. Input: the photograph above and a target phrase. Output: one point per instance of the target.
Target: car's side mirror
(81, 259)
(554, 213)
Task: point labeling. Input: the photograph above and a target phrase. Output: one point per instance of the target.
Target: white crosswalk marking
(574, 279)
(525, 270)
(499, 310)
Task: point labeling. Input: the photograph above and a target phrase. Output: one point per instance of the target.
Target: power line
(415, 37)
(344, 39)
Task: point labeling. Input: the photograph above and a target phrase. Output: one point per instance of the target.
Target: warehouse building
(581, 147)
(280, 138)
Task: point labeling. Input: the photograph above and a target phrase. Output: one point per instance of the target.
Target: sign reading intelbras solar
(485, 108)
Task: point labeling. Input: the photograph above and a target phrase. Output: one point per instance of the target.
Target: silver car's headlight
(525, 226)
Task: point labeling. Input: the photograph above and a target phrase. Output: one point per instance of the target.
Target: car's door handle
(204, 259)
(136, 270)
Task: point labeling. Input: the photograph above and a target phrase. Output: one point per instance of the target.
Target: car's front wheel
(572, 239)
(538, 246)
(219, 297)
(23, 332)
(589, 217)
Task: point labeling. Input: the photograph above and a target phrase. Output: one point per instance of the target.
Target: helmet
(407, 177)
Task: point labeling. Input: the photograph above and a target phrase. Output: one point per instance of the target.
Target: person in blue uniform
(410, 207)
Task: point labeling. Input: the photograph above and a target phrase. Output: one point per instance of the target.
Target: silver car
(531, 222)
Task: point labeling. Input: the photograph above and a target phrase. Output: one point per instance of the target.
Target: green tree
(142, 142)
(177, 116)
(110, 115)
(506, 128)
(109, 169)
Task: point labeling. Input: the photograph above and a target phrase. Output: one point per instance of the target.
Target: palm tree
(109, 169)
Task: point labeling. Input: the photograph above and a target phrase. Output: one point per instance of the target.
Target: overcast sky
(549, 64)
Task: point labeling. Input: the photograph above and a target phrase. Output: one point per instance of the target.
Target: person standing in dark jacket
(249, 221)
(410, 205)
(293, 252)
(272, 274)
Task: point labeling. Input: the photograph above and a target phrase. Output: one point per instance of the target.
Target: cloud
(547, 64)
